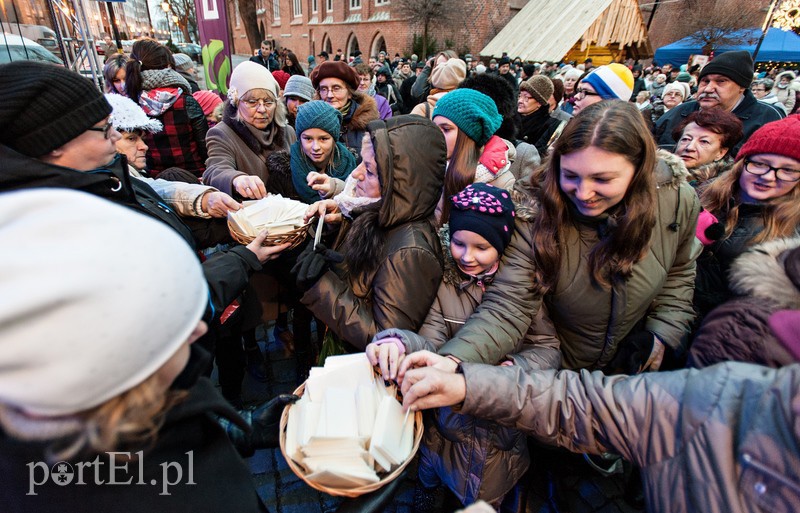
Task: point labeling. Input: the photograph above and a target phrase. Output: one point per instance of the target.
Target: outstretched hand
(428, 387)
(266, 253)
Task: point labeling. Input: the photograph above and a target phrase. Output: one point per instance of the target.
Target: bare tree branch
(429, 14)
(718, 24)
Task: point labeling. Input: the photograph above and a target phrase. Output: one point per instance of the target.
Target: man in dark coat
(265, 57)
(724, 84)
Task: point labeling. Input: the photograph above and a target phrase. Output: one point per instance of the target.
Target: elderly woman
(705, 139)
(672, 95)
(388, 237)
(253, 126)
(337, 84)
(188, 199)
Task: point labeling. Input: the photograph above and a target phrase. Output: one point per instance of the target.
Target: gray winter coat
(718, 440)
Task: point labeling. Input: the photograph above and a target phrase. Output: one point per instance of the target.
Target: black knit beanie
(738, 66)
(485, 210)
(44, 106)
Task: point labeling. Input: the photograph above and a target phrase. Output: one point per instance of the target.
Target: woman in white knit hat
(253, 126)
(102, 402)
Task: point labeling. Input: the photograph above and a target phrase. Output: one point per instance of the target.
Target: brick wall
(371, 26)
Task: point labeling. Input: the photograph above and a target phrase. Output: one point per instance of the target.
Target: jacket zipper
(749, 461)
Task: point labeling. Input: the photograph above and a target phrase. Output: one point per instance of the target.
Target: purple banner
(212, 21)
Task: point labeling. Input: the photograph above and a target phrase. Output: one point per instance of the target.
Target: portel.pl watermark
(111, 469)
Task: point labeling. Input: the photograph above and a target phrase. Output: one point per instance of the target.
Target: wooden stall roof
(546, 30)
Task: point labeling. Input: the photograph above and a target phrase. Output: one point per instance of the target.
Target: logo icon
(61, 473)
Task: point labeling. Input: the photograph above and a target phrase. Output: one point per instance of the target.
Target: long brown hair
(460, 169)
(781, 215)
(616, 127)
(146, 54)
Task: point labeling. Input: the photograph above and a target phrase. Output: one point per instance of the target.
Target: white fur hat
(127, 116)
(98, 319)
(250, 75)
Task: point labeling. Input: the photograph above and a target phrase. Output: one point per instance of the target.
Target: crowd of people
(547, 258)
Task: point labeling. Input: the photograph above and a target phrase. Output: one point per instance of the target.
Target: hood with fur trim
(760, 272)
(366, 111)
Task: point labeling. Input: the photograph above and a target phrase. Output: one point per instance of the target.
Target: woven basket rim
(295, 236)
(347, 492)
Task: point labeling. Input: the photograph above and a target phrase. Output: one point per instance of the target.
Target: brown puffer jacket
(590, 321)
(717, 440)
(397, 289)
(475, 458)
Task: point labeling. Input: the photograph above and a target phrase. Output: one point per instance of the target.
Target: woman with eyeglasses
(253, 127)
(152, 82)
(337, 83)
(758, 200)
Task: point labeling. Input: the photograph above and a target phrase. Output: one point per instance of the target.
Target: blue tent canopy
(778, 46)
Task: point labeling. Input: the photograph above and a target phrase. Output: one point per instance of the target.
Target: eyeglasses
(105, 128)
(324, 90)
(253, 104)
(781, 173)
(583, 93)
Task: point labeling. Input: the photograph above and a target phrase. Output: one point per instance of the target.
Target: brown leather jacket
(398, 290)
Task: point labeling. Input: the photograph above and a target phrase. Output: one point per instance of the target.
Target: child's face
(472, 253)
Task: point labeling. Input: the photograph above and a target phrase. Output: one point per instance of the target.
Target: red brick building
(308, 27)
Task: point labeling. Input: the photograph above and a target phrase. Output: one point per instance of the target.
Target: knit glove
(634, 354)
(709, 229)
(312, 264)
(265, 422)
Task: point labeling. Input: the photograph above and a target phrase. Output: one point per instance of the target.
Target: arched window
(327, 46)
(378, 45)
(352, 45)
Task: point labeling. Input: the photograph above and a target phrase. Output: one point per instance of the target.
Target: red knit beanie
(281, 77)
(780, 137)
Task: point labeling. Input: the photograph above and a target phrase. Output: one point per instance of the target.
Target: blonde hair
(127, 422)
(723, 195)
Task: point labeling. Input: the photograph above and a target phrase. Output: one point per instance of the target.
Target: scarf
(340, 164)
(155, 102)
(534, 125)
(345, 109)
(347, 200)
(482, 279)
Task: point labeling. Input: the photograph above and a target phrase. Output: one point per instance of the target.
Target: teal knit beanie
(318, 114)
(473, 113)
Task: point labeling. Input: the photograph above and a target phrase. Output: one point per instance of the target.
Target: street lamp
(166, 8)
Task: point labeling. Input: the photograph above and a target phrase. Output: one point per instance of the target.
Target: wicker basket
(295, 236)
(347, 492)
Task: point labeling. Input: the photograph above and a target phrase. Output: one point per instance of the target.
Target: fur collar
(760, 273)
(244, 133)
(710, 171)
(670, 170)
(366, 111)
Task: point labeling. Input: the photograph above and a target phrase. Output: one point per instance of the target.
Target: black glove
(313, 263)
(265, 422)
(632, 353)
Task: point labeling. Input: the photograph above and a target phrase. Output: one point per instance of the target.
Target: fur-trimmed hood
(366, 111)
(760, 272)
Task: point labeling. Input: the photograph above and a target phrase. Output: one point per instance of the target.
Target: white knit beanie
(676, 86)
(250, 75)
(83, 316)
(128, 116)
